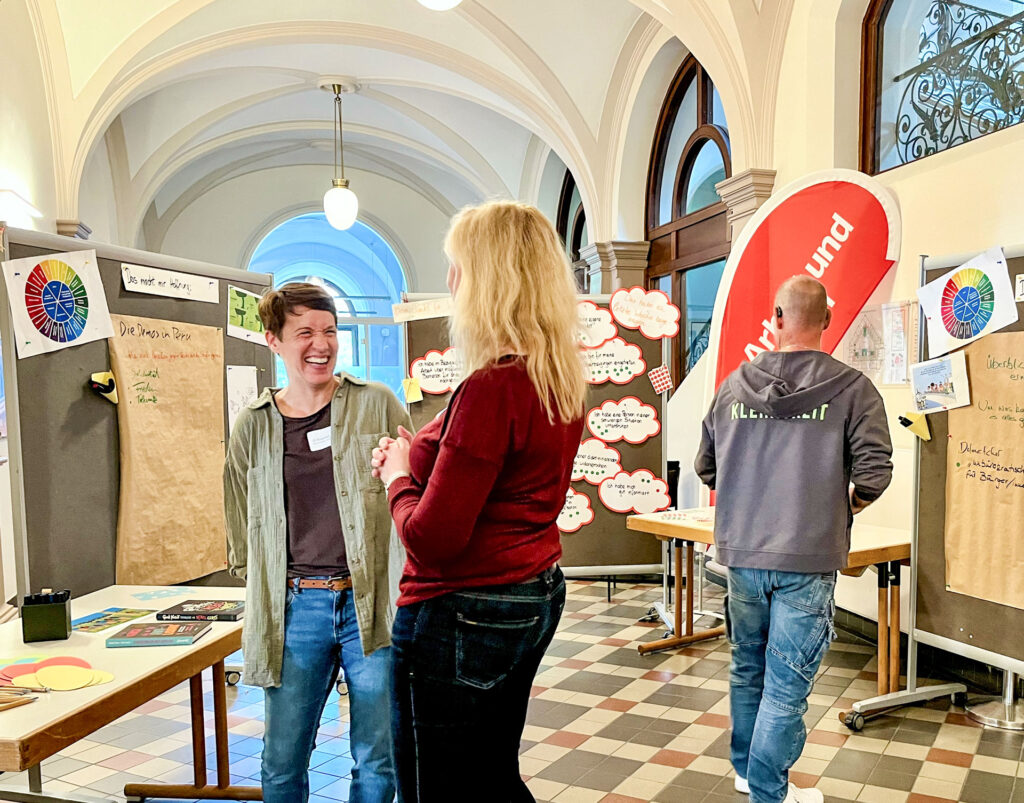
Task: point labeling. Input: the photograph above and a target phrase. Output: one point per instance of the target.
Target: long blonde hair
(517, 295)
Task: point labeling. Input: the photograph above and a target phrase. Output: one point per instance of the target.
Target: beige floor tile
(812, 766)
(576, 794)
(532, 766)
(637, 752)
(998, 766)
(936, 788)
(865, 744)
(598, 744)
(711, 766)
(834, 787)
(943, 772)
(545, 790)
(638, 787)
(904, 750)
(546, 752)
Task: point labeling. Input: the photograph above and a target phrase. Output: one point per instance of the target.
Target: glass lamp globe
(341, 206)
(439, 5)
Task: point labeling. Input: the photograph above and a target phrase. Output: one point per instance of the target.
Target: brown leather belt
(337, 584)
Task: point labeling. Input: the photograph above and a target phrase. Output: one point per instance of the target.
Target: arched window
(937, 74)
(361, 273)
(686, 219)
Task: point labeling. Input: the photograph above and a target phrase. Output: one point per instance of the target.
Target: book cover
(111, 617)
(159, 635)
(204, 610)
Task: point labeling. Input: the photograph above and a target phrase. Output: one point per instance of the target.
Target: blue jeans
(321, 633)
(780, 625)
(464, 666)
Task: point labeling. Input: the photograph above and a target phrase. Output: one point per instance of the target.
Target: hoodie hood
(790, 383)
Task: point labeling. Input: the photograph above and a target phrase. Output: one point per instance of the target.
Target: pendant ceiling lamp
(439, 5)
(341, 206)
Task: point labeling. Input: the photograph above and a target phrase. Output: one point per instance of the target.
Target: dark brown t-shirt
(316, 545)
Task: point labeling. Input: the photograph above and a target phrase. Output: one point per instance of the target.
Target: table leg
(683, 634)
(894, 626)
(883, 627)
(201, 790)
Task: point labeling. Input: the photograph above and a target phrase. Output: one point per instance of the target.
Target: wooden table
(31, 733)
(883, 547)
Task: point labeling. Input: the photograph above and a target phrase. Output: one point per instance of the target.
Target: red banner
(839, 226)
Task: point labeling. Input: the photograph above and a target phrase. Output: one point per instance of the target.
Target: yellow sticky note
(411, 388)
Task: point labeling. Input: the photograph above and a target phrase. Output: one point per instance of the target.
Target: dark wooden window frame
(870, 46)
(687, 241)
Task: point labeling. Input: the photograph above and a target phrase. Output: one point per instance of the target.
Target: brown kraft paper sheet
(985, 475)
(170, 383)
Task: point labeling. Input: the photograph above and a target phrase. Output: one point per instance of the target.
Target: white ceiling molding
(144, 78)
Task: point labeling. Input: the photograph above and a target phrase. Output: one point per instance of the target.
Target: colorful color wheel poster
(968, 300)
(56, 301)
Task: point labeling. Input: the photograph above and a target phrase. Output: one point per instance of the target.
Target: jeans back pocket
(488, 650)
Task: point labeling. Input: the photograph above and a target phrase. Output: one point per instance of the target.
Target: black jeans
(464, 666)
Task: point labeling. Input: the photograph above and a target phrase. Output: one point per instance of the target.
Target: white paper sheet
(158, 282)
(242, 389)
(968, 302)
(56, 301)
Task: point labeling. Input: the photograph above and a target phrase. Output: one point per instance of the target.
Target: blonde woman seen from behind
(475, 496)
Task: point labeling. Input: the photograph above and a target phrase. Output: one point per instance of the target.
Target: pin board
(64, 439)
(600, 539)
(948, 618)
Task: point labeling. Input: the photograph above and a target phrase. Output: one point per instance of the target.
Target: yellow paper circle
(64, 678)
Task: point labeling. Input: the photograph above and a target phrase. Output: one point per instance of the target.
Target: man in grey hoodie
(795, 443)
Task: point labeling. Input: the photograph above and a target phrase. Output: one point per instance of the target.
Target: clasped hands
(391, 457)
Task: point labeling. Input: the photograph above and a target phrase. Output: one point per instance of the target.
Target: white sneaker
(797, 795)
(741, 785)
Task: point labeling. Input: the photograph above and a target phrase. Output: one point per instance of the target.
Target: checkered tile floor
(607, 724)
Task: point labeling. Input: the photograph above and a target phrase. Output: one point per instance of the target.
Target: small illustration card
(111, 617)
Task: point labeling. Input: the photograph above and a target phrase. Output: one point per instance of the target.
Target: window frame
(870, 105)
(691, 240)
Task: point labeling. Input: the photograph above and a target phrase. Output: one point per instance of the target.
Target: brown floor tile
(953, 757)
(673, 758)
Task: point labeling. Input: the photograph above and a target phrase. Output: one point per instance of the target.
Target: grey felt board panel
(976, 622)
(605, 541)
(70, 448)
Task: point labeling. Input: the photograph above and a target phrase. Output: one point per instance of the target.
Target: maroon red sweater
(489, 477)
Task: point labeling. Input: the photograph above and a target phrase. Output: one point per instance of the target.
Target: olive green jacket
(257, 529)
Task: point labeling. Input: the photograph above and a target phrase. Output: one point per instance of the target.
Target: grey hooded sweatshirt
(785, 436)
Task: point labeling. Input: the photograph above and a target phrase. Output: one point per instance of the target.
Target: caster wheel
(959, 699)
(233, 677)
(854, 721)
(342, 688)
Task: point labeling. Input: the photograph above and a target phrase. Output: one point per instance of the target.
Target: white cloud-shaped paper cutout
(639, 492)
(627, 419)
(595, 461)
(616, 361)
(596, 325)
(576, 512)
(438, 371)
(650, 311)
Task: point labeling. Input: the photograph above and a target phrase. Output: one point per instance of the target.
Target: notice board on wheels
(970, 555)
(620, 462)
(106, 493)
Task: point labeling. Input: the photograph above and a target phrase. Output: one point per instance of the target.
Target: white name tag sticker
(319, 439)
